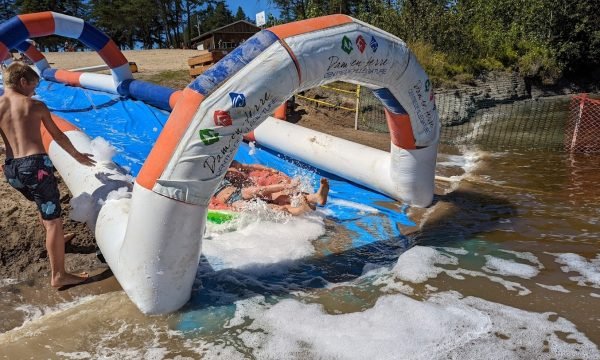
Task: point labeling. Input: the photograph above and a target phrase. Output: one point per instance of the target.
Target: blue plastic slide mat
(133, 127)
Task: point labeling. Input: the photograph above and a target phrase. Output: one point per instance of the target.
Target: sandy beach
(148, 61)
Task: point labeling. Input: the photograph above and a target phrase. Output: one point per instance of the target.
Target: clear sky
(251, 7)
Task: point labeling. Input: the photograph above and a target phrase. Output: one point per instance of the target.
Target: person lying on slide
(240, 186)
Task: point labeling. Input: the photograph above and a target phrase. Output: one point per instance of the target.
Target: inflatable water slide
(178, 144)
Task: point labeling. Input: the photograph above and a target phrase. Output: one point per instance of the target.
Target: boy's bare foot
(66, 279)
(323, 192)
(69, 237)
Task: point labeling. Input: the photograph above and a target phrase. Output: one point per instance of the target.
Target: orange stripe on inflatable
(250, 136)
(39, 24)
(33, 54)
(68, 77)
(400, 130)
(62, 124)
(174, 98)
(169, 138)
(294, 59)
(112, 56)
(280, 112)
(4, 54)
(306, 26)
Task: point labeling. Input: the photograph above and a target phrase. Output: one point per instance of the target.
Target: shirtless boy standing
(28, 168)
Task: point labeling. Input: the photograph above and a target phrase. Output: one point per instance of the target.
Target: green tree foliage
(538, 38)
(7, 10)
(240, 14)
(214, 17)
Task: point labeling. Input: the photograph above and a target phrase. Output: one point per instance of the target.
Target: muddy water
(507, 265)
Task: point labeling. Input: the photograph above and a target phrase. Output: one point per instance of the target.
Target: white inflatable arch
(152, 240)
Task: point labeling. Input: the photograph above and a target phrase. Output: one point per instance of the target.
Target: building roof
(208, 33)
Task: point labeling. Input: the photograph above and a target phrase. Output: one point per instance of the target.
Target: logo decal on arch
(347, 45)
(361, 43)
(222, 118)
(208, 136)
(237, 100)
(374, 45)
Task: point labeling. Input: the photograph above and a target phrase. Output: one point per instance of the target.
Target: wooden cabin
(217, 43)
(225, 37)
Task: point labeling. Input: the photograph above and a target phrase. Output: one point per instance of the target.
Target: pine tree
(240, 14)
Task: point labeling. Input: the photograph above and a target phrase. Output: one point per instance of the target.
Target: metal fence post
(578, 122)
(357, 107)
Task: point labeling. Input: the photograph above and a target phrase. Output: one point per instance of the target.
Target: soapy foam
(102, 150)
(526, 256)
(32, 313)
(120, 193)
(500, 266)
(262, 238)
(558, 288)
(416, 264)
(589, 270)
(398, 327)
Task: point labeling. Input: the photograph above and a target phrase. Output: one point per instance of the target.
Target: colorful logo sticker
(208, 136)
(374, 45)
(222, 118)
(347, 45)
(361, 43)
(237, 100)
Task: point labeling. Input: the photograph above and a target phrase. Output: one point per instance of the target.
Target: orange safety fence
(582, 131)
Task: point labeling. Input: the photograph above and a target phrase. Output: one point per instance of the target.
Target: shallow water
(506, 266)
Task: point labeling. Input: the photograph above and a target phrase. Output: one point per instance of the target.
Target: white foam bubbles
(417, 264)
(252, 148)
(589, 270)
(399, 327)
(102, 150)
(32, 312)
(261, 239)
(120, 193)
(558, 288)
(500, 266)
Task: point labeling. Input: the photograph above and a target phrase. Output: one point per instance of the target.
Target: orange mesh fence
(582, 131)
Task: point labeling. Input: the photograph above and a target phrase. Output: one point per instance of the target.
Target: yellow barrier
(355, 109)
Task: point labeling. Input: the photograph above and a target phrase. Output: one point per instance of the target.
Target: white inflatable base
(405, 175)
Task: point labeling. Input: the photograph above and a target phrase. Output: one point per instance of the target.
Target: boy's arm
(60, 138)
